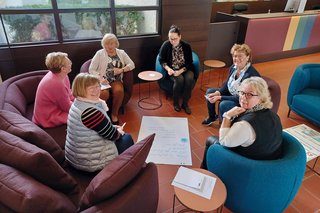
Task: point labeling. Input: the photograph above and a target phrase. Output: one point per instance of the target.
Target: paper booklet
(104, 86)
(194, 181)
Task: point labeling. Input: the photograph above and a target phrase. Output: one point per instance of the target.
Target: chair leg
(289, 113)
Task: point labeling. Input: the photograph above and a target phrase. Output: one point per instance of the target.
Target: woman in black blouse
(175, 56)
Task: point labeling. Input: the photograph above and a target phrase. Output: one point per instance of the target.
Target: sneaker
(186, 109)
(208, 121)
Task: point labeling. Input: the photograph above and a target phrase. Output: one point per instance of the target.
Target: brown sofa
(17, 94)
(34, 176)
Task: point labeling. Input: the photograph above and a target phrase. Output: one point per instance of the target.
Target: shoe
(208, 121)
(177, 107)
(186, 109)
(115, 122)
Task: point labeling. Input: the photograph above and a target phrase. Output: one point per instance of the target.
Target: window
(30, 21)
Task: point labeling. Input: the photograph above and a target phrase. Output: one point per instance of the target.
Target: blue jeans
(124, 143)
(224, 106)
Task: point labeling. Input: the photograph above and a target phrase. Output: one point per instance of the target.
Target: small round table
(149, 102)
(200, 204)
(214, 64)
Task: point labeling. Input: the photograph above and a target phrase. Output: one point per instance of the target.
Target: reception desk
(276, 35)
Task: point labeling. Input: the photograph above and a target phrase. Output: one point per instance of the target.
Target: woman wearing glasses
(252, 130)
(175, 56)
(228, 93)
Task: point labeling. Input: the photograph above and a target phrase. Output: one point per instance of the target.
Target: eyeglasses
(248, 95)
(173, 39)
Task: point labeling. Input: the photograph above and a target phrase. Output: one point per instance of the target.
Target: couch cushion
(21, 193)
(35, 162)
(19, 126)
(117, 174)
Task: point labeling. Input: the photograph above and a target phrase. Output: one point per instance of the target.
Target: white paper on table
(189, 177)
(206, 189)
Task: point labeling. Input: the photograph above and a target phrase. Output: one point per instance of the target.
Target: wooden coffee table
(200, 204)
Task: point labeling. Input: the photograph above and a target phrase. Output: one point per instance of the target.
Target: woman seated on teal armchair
(175, 56)
(252, 130)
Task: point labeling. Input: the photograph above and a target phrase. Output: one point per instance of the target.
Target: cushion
(21, 193)
(19, 126)
(35, 162)
(117, 174)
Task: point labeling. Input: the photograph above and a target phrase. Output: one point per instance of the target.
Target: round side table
(197, 203)
(149, 102)
(213, 64)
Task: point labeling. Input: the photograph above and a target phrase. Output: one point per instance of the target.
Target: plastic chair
(304, 92)
(165, 83)
(259, 185)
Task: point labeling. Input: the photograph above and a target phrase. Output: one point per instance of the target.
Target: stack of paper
(189, 177)
(194, 181)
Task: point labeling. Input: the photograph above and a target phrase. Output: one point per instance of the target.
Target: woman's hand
(104, 81)
(170, 71)
(178, 72)
(120, 129)
(214, 97)
(235, 111)
(117, 71)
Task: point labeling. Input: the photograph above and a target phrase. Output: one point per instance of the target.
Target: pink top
(53, 101)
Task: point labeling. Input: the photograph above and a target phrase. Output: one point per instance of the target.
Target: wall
(193, 16)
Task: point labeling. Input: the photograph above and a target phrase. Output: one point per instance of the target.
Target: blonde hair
(261, 88)
(81, 82)
(242, 48)
(55, 61)
(109, 37)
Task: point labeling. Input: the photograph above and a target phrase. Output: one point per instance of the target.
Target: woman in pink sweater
(54, 96)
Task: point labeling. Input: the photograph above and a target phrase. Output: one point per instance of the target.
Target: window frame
(56, 12)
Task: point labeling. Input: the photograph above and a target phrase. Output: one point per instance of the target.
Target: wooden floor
(307, 199)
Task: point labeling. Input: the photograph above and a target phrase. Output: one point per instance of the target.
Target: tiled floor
(307, 199)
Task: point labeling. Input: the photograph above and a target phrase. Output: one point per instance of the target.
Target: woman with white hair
(252, 130)
(109, 64)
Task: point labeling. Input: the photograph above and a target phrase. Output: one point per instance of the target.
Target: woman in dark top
(175, 56)
(252, 130)
(228, 93)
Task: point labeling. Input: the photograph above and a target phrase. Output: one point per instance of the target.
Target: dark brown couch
(34, 176)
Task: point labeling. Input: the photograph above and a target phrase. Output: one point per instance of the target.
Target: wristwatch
(226, 116)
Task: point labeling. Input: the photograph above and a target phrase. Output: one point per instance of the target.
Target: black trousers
(211, 140)
(183, 84)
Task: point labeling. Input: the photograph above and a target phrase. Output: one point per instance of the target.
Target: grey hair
(262, 90)
(109, 37)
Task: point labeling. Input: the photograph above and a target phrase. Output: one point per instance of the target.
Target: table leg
(155, 104)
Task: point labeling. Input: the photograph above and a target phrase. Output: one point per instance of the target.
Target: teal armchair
(165, 83)
(304, 92)
(255, 186)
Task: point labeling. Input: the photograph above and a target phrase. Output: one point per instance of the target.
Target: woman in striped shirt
(92, 140)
